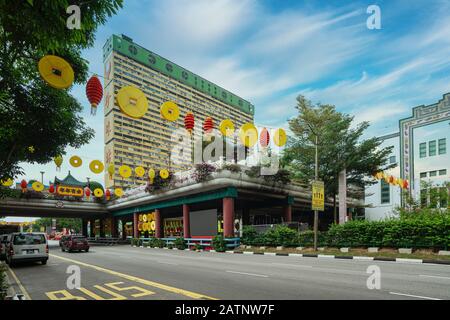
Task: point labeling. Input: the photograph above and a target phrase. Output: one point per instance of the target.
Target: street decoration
(56, 71)
(280, 137)
(94, 93)
(118, 192)
(318, 196)
(98, 193)
(96, 166)
(87, 192)
(170, 111)
(164, 173)
(208, 126)
(189, 122)
(264, 138)
(31, 149)
(58, 160)
(125, 171)
(75, 161)
(139, 171)
(132, 102)
(37, 186)
(108, 194)
(226, 127)
(111, 170)
(151, 175)
(23, 185)
(402, 183)
(69, 191)
(248, 134)
(51, 188)
(7, 183)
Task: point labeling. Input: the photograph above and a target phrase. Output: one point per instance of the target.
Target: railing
(106, 241)
(190, 242)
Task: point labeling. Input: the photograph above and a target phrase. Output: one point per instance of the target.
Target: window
(442, 146)
(443, 172)
(392, 159)
(423, 175)
(432, 173)
(423, 150)
(385, 192)
(432, 148)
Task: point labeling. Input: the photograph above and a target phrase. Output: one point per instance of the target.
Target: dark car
(74, 243)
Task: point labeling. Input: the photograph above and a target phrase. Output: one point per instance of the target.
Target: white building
(421, 149)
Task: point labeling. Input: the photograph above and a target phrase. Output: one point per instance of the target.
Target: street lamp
(42, 177)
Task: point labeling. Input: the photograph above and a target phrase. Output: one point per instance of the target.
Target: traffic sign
(318, 196)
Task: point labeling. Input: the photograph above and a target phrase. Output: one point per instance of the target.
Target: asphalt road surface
(124, 272)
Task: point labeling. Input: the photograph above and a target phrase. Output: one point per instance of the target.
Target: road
(124, 272)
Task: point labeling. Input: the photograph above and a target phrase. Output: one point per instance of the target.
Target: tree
(37, 122)
(68, 223)
(340, 147)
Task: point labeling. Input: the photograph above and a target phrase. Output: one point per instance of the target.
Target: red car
(74, 243)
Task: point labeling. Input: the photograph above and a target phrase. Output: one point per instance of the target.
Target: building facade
(421, 149)
(147, 141)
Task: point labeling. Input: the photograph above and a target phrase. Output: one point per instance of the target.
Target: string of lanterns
(402, 183)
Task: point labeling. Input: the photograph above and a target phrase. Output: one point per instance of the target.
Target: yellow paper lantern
(96, 166)
(118, 192)
(132, 102)
(125, 171)
(170, 111)
(226, 127)
(75, 161)
(153, 225)
(7, 183)
(58, 160)
(144, 217)
(139, 171)
(151, 174)
(280, 137)
(164, 173)
(37, 186)
(98, 193)
(56, 71)
(111, 170)
(248, 134)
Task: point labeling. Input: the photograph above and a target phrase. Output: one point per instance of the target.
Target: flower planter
(405, 250)
(444, 253)
(262, 248)
(280, 248)
(372, 249)
(299, 248)
(321, 248)
(344, 250)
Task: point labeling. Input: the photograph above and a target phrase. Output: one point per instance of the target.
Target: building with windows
(147, 141)
(421, 149)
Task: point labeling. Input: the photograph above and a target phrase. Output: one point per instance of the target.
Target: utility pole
(316, 212)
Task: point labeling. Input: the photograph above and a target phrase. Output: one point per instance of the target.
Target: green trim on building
(128, 48)
(222, 193)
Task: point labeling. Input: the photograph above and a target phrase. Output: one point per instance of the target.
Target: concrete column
(92, 222)
(186, 222)
(135, 225)
(287, 214)
(228, 217)
(158, 224)
(342, 196)
(84, 228)
(102, 227)
(113, 227)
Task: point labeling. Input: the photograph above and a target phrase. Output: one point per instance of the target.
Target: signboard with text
(318, 196)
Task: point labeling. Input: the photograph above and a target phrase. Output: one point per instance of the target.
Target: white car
(23, 247)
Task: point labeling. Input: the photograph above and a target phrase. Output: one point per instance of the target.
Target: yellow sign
(318, 196)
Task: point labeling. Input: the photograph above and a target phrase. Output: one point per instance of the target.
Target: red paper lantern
(264, 138)
(108, 194)
(405, 184)
(391, 179)
(94, 93)
(23, 185)
(51, 189)
(189, 122)
(208, 125)
(87, 192)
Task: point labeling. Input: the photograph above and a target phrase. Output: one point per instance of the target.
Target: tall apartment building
(147, 141)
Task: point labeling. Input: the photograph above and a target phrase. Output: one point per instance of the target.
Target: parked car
(23, 247)
(74, 243)
(3, 245)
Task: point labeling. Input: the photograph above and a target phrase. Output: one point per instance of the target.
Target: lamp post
(42, 177)
(316, 177)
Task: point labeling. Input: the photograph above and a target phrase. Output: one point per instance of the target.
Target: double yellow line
(183, 292)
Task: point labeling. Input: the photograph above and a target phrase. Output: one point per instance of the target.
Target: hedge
(422, 232)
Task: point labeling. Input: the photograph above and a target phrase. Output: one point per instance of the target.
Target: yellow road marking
(143, 291)
(97, 297)
(66, 295)
(22, 288)
(183, 292)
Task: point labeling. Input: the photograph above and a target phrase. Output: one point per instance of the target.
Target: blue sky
(268, 52)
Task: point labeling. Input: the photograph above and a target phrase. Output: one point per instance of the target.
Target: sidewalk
(15, 289)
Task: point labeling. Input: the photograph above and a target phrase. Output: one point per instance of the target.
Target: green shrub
(219, 244)
(179, 243)
(159, 243)
(198, 246)
(249, 235)
(3, 282)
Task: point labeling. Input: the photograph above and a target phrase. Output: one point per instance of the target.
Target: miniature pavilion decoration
(58, 160)
(75, 161)
(170, 111)
(226, 127)
(132, 102)
(264, 138)
(189, 122)
(56, 71)
(69, 186)
(94, 93)
(248, 134)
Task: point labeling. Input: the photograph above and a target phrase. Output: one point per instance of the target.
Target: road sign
(318, 196)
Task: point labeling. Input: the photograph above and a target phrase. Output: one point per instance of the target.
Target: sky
(269, 52)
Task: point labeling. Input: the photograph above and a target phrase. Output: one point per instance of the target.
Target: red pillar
(158, 224)
(135, 225)
(228, 217)
(186, 222)
(288, 213)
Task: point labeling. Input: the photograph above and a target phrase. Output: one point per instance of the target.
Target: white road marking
(249, 274)
(291, 265)
(437, 277)
(165, 262)
(413, 296)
